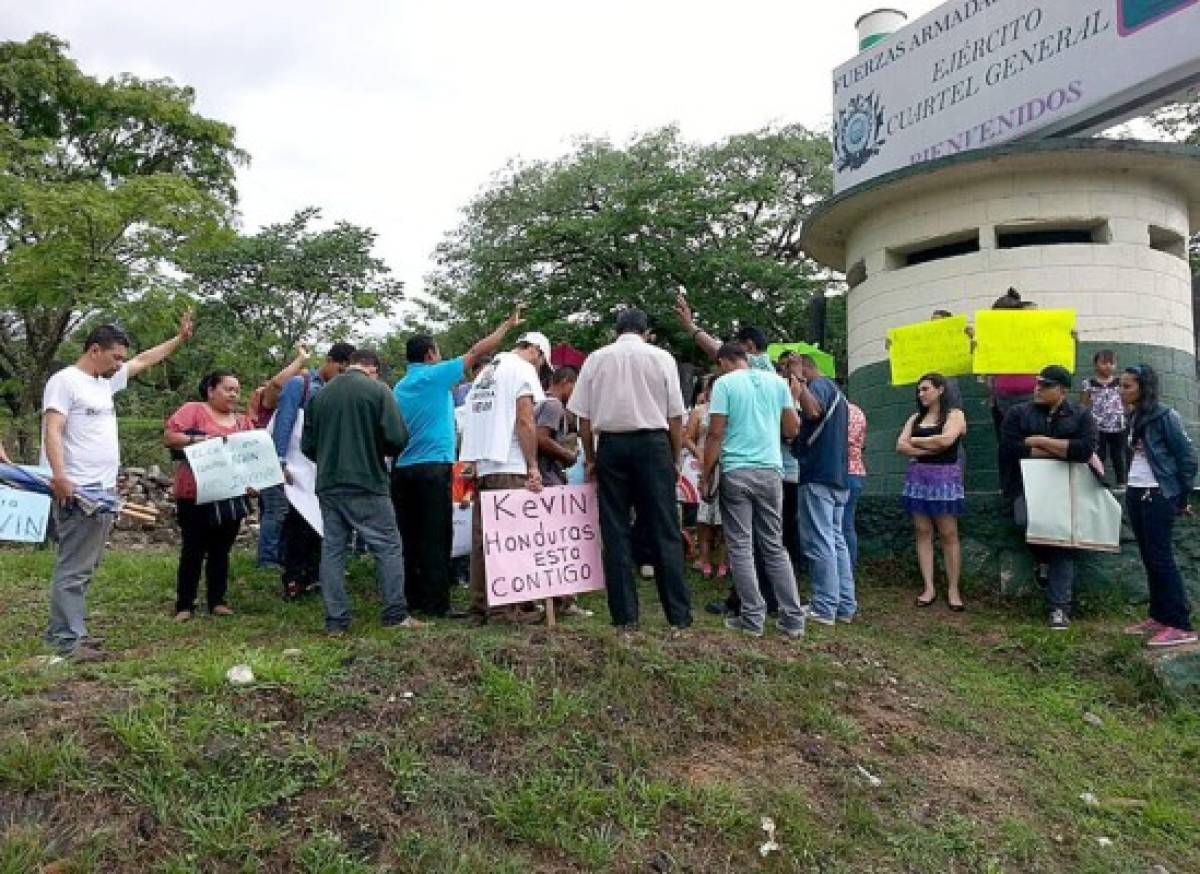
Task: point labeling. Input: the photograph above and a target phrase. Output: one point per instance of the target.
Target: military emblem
(857, 133)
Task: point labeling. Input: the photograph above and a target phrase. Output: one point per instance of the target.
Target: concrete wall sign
(974, 73)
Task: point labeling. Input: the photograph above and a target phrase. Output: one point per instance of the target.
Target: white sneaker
(647, 571)
(576, 610)
(410, 623)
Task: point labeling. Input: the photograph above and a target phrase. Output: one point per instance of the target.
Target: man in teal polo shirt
(421, 476)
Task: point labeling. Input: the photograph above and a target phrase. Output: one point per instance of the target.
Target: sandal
(921, 602)
(183, 616)
(221, 610)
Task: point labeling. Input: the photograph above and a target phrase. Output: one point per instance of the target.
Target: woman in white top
(1161, 478)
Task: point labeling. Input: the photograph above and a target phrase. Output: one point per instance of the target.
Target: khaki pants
(492, 482)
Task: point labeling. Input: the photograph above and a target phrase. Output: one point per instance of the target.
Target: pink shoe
(722, 571)
(706, 570)
(1172, 637)
(1146, 626)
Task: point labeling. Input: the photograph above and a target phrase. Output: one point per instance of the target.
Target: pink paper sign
(541, 544)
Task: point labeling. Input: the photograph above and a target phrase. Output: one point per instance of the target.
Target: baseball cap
(536, 338)
(1055, 374)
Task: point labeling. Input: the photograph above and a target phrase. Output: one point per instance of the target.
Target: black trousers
(791, 529)
(301, 551)
(635, 472)
(424, 513)
(1111, 444)
(1152, 518)
(204, 547)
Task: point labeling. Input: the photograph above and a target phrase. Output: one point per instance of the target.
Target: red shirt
(197, 416)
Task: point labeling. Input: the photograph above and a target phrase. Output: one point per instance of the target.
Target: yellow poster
(1023, 341)
(939, 346)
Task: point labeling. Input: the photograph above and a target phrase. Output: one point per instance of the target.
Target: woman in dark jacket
(1161, 476)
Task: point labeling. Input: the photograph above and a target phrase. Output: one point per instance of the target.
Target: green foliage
(605, 226)
(289, 283)
(102, 185)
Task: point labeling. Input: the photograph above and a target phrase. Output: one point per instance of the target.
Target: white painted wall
(1124, 291)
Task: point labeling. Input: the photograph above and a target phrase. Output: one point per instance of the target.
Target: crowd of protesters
(372, 469)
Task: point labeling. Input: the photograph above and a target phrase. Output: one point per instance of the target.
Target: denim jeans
(856, 483)
(751, 508)
(272, 511)
(1152, 518)
(822, 511)
(371, 515)
(81, 540)
(1059, 560)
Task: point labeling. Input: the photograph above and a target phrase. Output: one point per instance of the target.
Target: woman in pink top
(857, 431)
(207, 530)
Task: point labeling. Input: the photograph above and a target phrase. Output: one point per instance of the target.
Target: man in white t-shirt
(500, 438)
(79, 444)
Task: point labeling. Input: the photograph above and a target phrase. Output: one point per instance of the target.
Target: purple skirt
(933, 489)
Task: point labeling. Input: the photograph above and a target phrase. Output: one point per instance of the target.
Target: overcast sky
(394, 114)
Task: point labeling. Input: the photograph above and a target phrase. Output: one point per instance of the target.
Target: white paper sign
(302, 490)
(226, 467)
(23, 515)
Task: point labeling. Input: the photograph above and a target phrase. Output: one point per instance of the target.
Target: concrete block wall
(1124, 290)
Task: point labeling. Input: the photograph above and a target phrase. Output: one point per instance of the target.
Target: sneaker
(716, 608)
(221, 610)
(1146, 626)
(647, 572)
(1059, 621)
(336, 632)
(822, 620)
(848, 620)
(409, 623)
(573, 609)
(794, 632)
(1172, 637)
(85, 654)
(183, 616)
(735, 623)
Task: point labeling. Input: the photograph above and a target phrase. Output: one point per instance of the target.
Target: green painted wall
(994, 553)
(887, 407)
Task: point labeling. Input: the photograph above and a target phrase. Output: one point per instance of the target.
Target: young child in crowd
(1102, 394)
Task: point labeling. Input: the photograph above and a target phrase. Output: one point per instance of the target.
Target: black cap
(1055, 374)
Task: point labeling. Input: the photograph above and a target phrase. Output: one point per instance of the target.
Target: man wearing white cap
(500, 438)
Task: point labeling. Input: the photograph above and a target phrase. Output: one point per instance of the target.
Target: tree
(102, 185)
(1180, 121)
(262, 293)
(602, 227)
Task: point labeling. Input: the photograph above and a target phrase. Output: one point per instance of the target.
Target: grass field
(580, 749)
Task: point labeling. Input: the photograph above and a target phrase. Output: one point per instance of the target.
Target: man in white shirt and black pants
(79, 443)
(628, 393)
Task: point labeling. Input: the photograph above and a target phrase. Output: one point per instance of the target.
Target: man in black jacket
(1047, 427)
